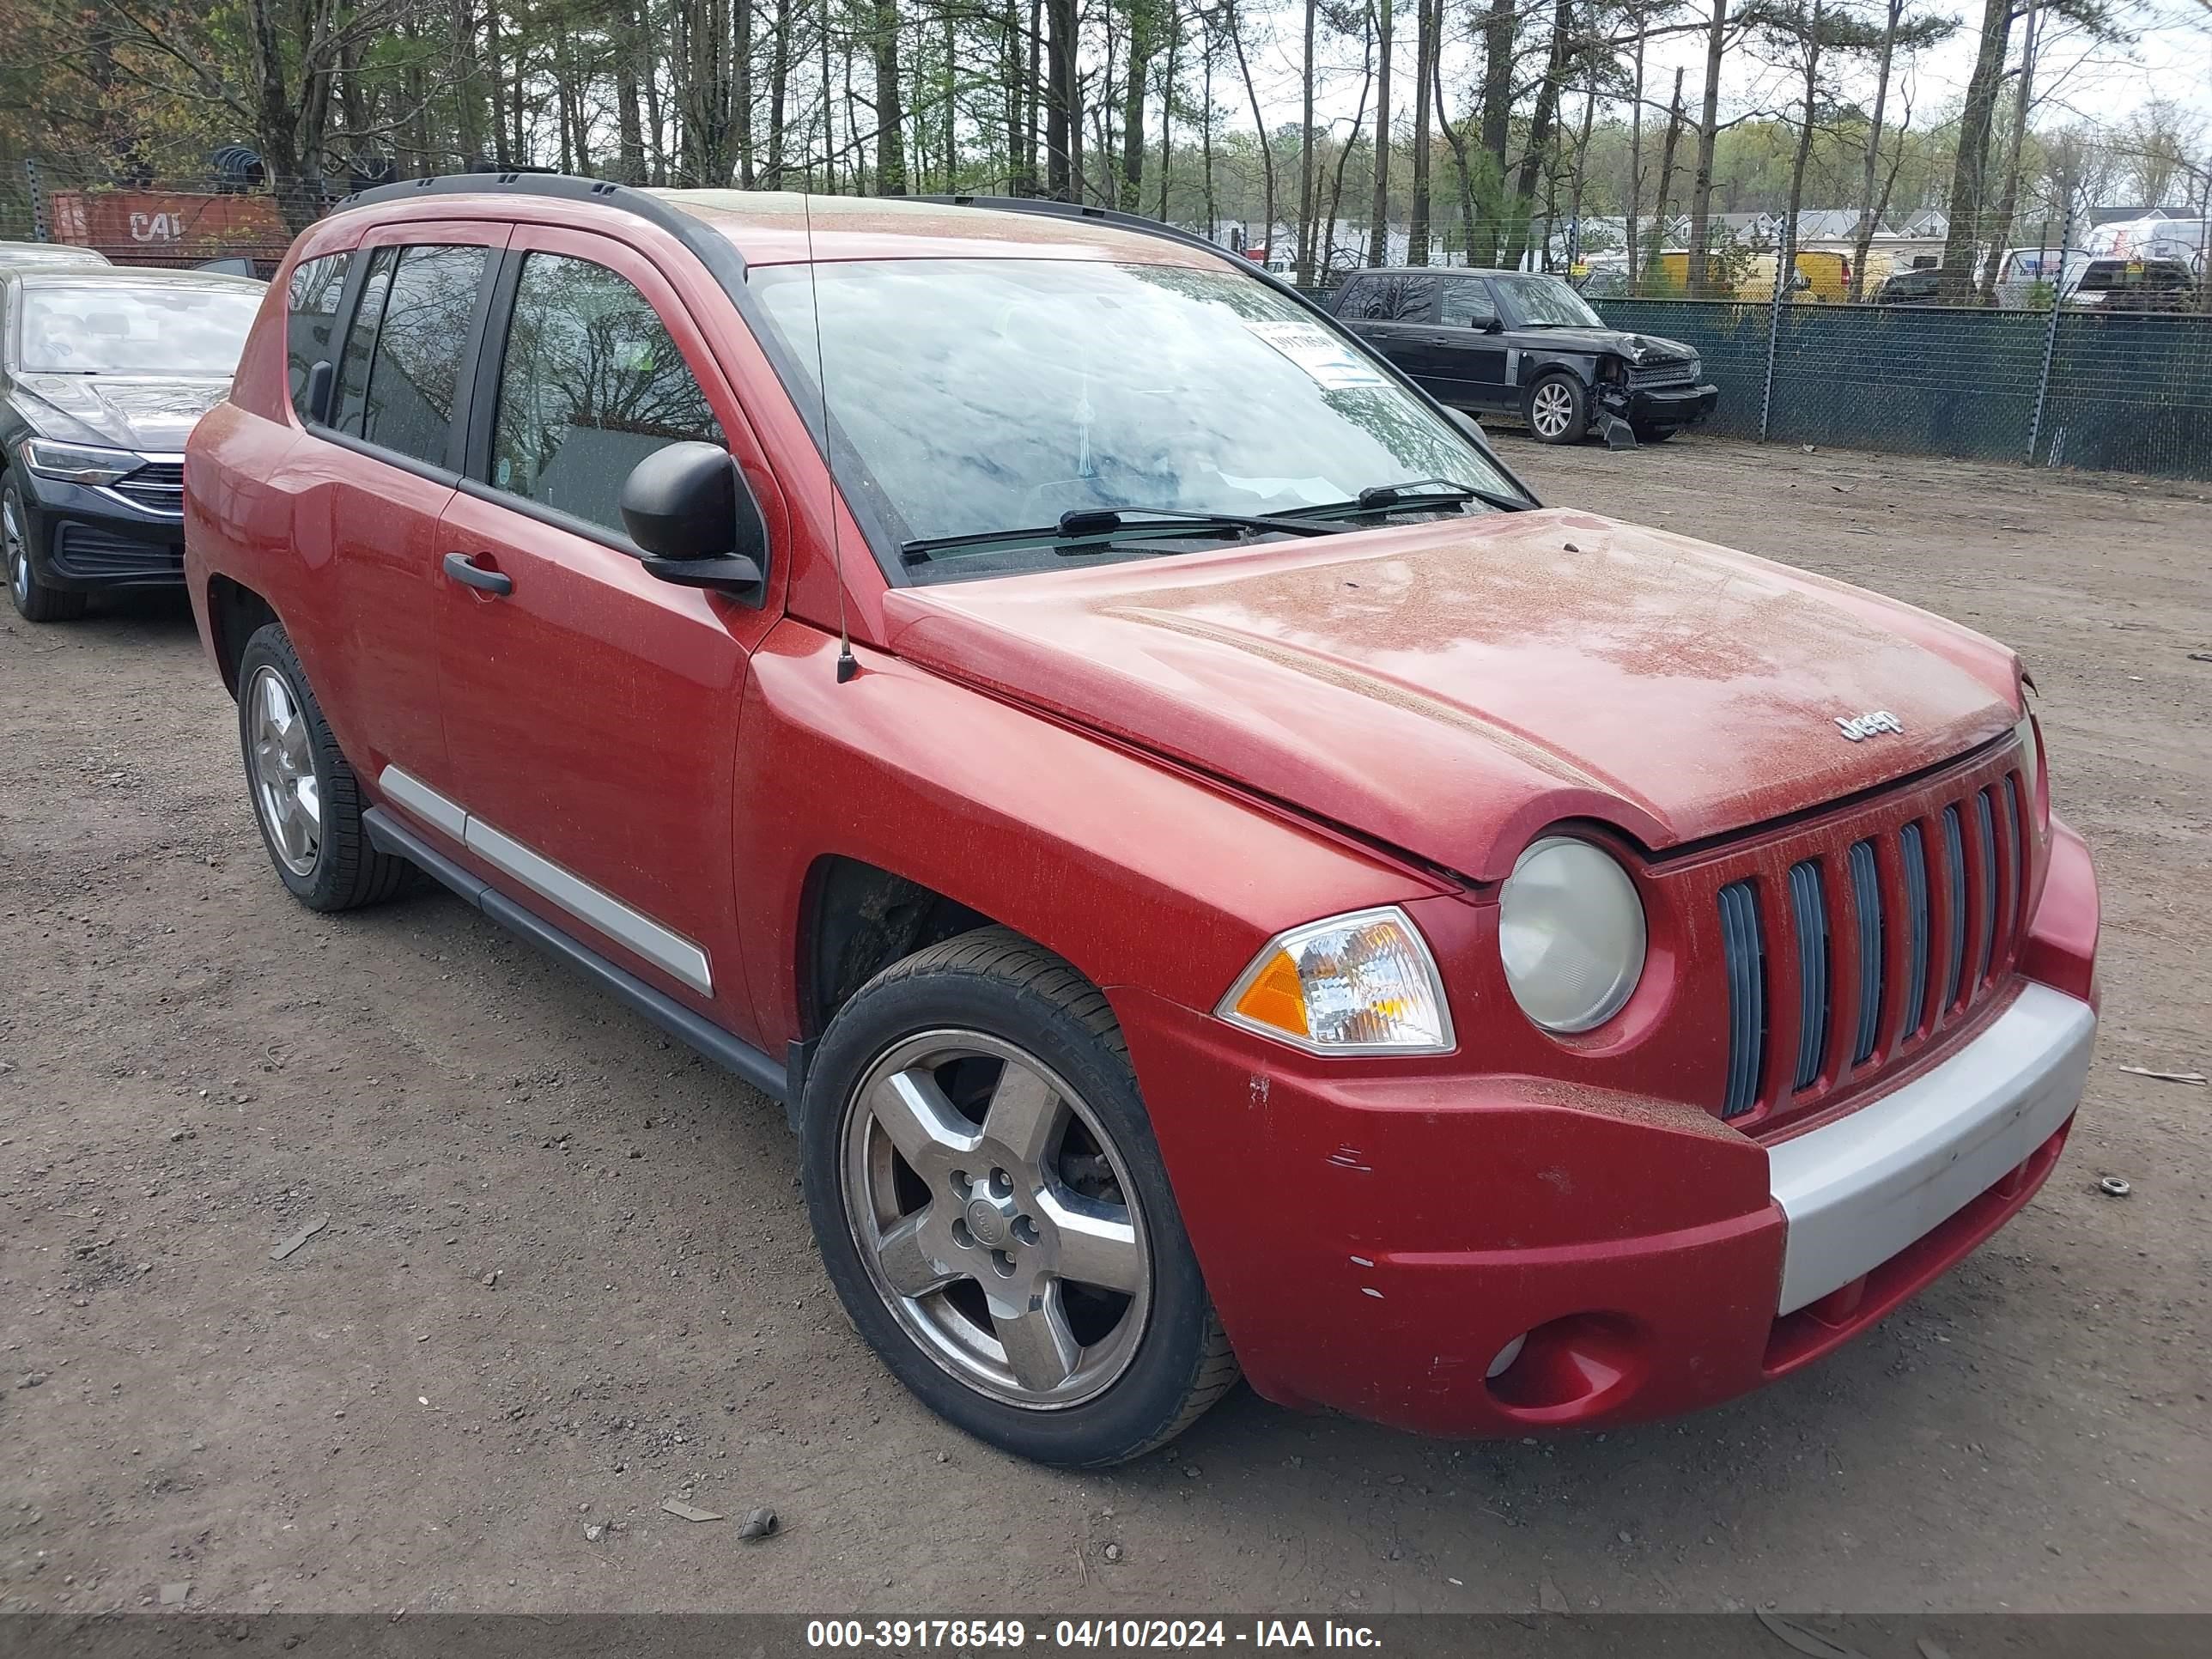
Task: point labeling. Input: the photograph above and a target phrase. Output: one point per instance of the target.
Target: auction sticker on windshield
(1334, 365)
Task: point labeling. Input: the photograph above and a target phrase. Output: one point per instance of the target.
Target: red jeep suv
(1220, 879)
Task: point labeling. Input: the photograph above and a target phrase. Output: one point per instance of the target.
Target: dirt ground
(192, 1068)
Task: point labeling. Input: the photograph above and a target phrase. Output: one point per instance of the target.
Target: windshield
(108, 329)
(1543, 302)
(979, 395)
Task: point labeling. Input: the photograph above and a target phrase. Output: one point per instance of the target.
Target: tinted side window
(417, 366)
(591, 385)
(312, 307)
(361, 340)
(1393, 299)
(1467, 304)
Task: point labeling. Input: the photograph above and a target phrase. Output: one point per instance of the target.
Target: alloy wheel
(16, 547)
(1552, 408)
(286, 791)
(996, 1219)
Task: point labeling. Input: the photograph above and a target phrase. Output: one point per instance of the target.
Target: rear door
(1393, 310)
(590, 710)
(386, 460)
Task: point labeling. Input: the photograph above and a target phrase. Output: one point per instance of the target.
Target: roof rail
(719, 254)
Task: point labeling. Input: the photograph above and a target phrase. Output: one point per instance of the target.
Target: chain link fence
(2120, 392)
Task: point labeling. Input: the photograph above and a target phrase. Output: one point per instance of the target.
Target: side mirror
(1471, 428)
(692, 514)
(1493, 324)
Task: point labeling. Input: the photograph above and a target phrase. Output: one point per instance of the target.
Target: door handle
(463, 568)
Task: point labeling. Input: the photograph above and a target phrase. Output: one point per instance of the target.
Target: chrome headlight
(1571, 930)
(83, 463)
(1357, 984)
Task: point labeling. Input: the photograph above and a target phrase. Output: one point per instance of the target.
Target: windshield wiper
(1414, 495)
(1088, 527)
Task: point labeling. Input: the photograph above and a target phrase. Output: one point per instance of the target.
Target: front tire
(34, 600)
(1557, 409)
(1655, 434)
(305, 798)
(992, 1206)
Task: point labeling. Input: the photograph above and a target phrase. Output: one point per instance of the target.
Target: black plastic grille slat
(1808, 914)
(1985, 833)
(1866, 906)
(1913, 854)
(1741, 948)
(1954, 902)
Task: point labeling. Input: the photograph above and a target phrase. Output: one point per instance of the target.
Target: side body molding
(662, 946)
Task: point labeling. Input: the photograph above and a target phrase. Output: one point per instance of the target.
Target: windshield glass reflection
(967, 395)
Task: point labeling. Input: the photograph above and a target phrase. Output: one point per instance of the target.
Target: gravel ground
(567, 1275)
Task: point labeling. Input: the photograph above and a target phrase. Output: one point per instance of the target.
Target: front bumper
(1374, 1242)
(1667, 406)
(85, 539)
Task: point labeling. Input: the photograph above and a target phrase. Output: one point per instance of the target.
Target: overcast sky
(2172, 59)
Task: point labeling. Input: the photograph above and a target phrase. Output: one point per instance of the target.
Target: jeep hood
(1453, 688)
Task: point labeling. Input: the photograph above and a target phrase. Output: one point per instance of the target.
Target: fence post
(2050, 330)
(1786, 252)
(37, 195)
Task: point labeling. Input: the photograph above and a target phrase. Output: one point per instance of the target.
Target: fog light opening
(1567, 1370)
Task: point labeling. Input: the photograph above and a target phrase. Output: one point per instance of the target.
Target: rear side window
(312, 315)
(403, 364)
(589, 385)
(1395, 299)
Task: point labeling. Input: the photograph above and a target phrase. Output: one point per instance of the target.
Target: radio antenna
(848, 666)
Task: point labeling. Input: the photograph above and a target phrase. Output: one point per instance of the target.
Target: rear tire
(305, 798)
(1556, 409)
(992, 1206)
(34, 600)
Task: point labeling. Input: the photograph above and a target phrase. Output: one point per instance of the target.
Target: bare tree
(1378, 218)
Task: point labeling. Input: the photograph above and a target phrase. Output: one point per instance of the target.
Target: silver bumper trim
(1857, 1191)
(662, 946)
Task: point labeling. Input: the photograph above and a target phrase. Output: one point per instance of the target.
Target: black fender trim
(732, 1053)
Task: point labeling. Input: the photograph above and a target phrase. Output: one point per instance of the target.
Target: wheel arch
(855, 919)
(235, 613)
(1535, 365)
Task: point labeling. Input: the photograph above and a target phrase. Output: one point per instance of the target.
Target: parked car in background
(47, 256)
(1527, 344)
(2113, 282)
(103, 373)
(1909, 287)
(1215, 873)
(2137, 284)
(1739, 274)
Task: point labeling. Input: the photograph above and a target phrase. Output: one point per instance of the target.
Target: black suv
(1524, 344)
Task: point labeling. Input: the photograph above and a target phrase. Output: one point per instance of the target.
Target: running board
(732, 1054)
